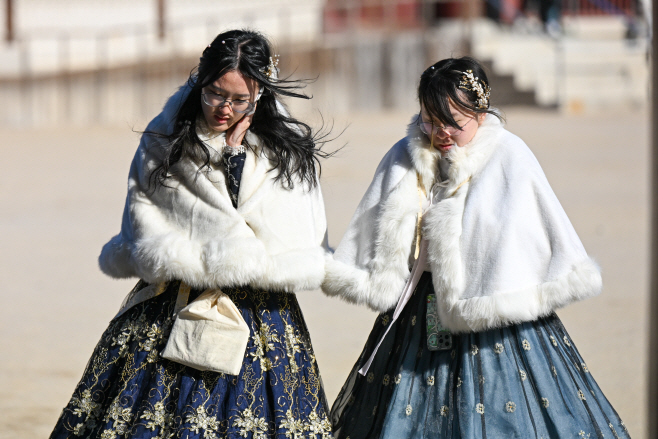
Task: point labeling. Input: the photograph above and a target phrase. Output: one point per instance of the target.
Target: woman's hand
(235, 134)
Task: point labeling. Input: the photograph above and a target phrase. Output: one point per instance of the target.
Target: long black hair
(293, 144)
(442, 83)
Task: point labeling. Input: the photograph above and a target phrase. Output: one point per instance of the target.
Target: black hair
(292, 143)
(441, 84)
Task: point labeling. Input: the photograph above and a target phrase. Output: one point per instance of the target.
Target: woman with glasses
(463, 248)
(224, 221)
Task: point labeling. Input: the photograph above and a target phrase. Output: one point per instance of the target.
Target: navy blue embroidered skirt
(129, 391)
(522, 381)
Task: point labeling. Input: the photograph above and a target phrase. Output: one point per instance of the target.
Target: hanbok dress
(505, 366)
(129, 391)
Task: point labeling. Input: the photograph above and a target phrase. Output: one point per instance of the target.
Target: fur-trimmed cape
(501, 249)
(190, 231)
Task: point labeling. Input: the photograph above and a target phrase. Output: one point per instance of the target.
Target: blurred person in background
(464, 249)
(224, 221)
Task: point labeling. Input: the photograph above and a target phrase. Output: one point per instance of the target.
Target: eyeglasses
(217, 100)
(429, 127)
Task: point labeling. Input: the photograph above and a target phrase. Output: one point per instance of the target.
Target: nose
(225, 108)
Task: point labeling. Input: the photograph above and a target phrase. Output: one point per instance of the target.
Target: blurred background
(80, 78)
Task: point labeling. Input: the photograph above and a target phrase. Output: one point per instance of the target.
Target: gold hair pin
(473, 83)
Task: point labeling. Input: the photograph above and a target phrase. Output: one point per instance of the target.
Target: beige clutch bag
(209, 334)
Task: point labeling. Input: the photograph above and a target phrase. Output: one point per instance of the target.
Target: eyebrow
(221, 90)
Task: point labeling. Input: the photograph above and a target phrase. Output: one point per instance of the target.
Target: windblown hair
(293, 144)
(440, 85)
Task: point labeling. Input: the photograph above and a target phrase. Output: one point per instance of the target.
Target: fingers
(235, 134)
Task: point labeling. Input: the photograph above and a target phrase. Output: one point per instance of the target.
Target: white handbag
(209, 334)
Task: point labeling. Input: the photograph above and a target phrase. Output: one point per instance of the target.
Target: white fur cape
(501, 249)
(275, 239)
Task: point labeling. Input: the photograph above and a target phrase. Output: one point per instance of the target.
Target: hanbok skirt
(522, 381)
(129, 391)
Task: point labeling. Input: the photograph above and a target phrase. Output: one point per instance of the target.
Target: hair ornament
(272, 69)
(223, 42)
(473, 83)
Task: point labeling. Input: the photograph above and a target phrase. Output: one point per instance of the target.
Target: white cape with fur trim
(501, 249)
(275, 239)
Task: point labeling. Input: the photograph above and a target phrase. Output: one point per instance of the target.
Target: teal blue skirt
(129, 391)
(522, 381)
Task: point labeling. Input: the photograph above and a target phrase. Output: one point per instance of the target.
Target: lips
(220, 119)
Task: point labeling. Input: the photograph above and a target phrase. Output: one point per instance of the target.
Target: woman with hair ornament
(462, 246)
(224, 221)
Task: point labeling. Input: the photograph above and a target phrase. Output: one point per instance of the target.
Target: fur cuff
(482, 313)
(379, 291)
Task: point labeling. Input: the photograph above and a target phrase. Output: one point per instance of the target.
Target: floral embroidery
(474, 349)
(387, 380)
(482, 380)
(554, 370)
(398, 378)
(566, 341)
(459, 381)
(374, 410)
(408, 410)
(553, 340)
(510, 407)
(292, 347)
(385, 320)
(544, 402)
(413, 321)
(444, 410)
(351, 400)
(158, 418)
(581, 395)
(453, 353)
(430, 380)
(294, 427)
(264, 342)
(584, 366)
(526, 345)
(130, 349)
(120, 415)
(499, 348)
(317, 426)
(371, 377)
(523, 375)
(209, 424)
(581, 433)
(249, 423)
(479, 408)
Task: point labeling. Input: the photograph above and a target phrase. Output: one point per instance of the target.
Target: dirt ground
(62, 192)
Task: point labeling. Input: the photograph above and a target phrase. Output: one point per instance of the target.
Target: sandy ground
(62, 192)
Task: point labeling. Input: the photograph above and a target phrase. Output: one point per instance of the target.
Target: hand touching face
(234, 88)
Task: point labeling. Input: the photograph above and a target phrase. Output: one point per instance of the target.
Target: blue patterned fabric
(522, 381)
(129, 391)
(234, 164)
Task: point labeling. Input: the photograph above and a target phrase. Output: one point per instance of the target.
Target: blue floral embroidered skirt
(129, 391)
(522, 381)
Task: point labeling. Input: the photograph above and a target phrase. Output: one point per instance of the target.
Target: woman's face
(234, 87)
(446, 137)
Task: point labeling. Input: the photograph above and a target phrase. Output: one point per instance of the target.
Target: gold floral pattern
(279, 354)
(430, 380)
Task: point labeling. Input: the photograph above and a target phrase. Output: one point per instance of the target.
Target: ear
(480, 118)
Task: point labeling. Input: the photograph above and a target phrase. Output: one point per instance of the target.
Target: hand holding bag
(209, 334)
